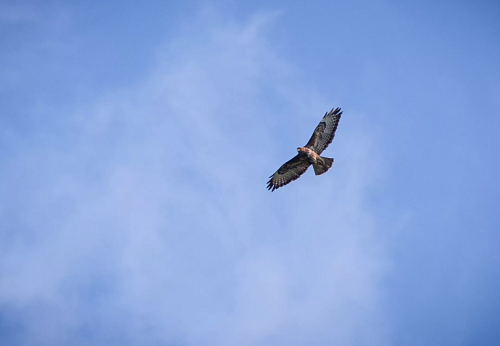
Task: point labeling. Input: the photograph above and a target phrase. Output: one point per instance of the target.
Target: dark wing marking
(287, 173)
(325, 131)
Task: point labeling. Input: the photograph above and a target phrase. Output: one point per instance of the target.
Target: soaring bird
(309, 154)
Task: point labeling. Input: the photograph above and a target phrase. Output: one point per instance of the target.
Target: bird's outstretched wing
(290, 171)
(325, 131)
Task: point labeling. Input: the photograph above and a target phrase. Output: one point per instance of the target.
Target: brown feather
(325, 131)
(288, 172)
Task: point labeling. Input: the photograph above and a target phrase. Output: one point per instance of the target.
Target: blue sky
(137, 140)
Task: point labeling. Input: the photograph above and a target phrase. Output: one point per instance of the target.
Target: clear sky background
(136, 139)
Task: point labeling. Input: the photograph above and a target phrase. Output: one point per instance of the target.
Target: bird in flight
(309, 154)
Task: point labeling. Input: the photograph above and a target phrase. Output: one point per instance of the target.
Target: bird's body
(309, 154)
(313, 157)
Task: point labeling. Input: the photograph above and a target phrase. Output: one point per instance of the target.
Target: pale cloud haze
(133, 207)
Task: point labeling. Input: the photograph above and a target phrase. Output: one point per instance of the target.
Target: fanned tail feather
(322, 166)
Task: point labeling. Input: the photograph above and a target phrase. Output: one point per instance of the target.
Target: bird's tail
(323, 165)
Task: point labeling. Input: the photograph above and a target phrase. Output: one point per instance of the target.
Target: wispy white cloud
(151, 223)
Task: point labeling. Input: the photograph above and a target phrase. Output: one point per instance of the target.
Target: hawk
(309, 154)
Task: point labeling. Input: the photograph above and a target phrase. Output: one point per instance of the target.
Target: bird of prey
(309, 154)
